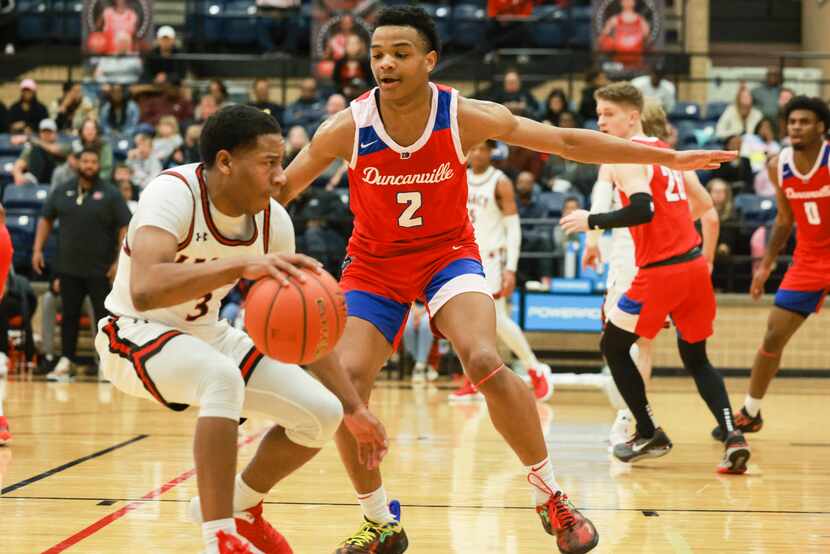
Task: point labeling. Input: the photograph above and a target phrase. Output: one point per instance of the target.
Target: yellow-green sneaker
(376, 538)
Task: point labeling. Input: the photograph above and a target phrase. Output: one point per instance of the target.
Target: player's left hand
(575, 222)
(688, 160)
(508, 283)
(368, 431)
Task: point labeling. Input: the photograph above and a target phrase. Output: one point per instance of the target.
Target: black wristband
(638, 211)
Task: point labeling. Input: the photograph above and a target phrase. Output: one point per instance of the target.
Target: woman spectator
(760, 145)
(721, 194)
(89, 136)
(167, 138)
(295, 141)
(219, 91)
(738, 172)
(188, 152)
(555, 106)
(740, 117)
(119, 114)
(71, 109)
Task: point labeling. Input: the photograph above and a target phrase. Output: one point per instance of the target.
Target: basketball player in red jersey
(667, 251)
(6, 252)
(406, 143)
(801, 175)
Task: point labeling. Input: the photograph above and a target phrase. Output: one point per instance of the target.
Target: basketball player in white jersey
(491, 205)
(622, 269)
(199, 228)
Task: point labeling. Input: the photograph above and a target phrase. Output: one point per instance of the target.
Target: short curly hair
(813, 104)
(411, 16)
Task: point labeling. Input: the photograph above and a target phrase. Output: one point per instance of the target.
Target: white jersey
(622, 253)
(178, 202)
(485, 214)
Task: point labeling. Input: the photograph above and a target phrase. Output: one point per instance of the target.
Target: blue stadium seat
(580, 25)
(34, 20)
(6, 146)
(240, 22)
(685, 111)
(469, 25)
(442, 15)
(6, 165)
(714, 110)
(553, 201)
(755, 210)
(22, 225)
(550, 30)
(25, 197)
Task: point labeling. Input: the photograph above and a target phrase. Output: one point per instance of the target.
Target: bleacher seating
(755, 210)
(6, 146)
(714, 110)
(443, 20)
(553, 201)
(25, 197)
(22, 225)
(469, 25)
(550, 30)
(685, 111)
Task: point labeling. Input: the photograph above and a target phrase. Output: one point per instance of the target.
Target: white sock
(245, 497)
(210, 528)
(420, 366)
(543, 471)
(752, 405)
(511, 335)
(375, 506)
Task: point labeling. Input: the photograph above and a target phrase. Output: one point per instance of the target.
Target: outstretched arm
(334, 139)
(480, 120)
(780, 233)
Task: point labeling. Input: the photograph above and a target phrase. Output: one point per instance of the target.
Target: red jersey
(6, 251)
(413, 198)
(671, 231)
(809, 198)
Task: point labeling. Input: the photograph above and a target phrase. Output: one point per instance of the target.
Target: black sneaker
(376, 538)
(743, 422)
(639, 447)
(735, 455)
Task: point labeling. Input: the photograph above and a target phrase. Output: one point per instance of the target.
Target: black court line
(812, 444)
(53, 471)
(647, 512)
(96, 413)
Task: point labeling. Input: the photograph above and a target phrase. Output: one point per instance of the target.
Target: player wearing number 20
(801, 175)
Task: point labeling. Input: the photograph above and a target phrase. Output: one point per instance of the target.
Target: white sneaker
(621, 429)
(62, 370)
(419, 376)
(540, 378)
(432, 374)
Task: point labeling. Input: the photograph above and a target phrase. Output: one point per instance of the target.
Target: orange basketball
(299, 322)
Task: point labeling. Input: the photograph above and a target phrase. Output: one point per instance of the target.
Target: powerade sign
(559, 312)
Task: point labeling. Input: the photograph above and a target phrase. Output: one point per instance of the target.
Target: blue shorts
(800, 302)
(389, 316)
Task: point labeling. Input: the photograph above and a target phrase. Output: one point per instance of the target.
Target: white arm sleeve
(282, 231)
(166, 203)
(514, 240)
(602, 198)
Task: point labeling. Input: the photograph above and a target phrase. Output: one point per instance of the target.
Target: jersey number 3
(412, 200)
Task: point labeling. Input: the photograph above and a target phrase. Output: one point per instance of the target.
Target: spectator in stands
(40, 156)
(318, 221)
(354, 65)
(169, 99)
(206, 108)
(417, 339)
(355, 88)
(295, 141)
(655, 85)
(93, 222)
(760, 145)
(122, 178)
(784, 98)
(188, 152)
(561, 239)
(51, 301)
(738, 173)
(27, 112)
(71, 109)
(261, 92)
(765, 96)
(141, 160)
(721, 193)
(89, 136)
(119, 114)
(535, 237)
(555, 106)
(521, 159)
(516, 98)
(160, 65)
(594, 79)
(124, 67)
(563, 175)
(167, 139)
(4, 118)
(219, 91)
(67, 171)
(739, 118)
(308, 109)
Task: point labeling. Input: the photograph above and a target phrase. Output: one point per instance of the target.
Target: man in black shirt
(26, 112)
(93, 221)
(160, 66)
(262, 100)
(40, 156)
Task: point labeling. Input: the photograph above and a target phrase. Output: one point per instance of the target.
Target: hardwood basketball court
(92, 470)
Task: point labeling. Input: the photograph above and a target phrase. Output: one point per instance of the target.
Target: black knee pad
(616, 342)
(693, 354)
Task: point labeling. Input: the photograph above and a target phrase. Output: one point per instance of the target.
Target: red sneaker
(575, 534)
(5, 434)
(251, 525)
(467, 391)
(541, 382)
(229, 543)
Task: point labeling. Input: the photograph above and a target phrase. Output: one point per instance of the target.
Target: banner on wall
(117, 27)
(340, 36)
(563, 312)
(625, 30)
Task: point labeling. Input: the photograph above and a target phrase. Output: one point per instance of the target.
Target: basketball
(299, 322)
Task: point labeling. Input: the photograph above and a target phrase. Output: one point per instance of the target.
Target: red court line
(118, 514)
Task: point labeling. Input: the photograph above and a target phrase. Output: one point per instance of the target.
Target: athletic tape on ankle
(766, 354)
(489, 376)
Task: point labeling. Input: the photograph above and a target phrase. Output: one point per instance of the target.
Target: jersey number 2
(675, 190)
(813, 215)
(413, 204)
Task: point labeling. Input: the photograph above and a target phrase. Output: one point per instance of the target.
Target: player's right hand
(756, 289)
(37, 262)
(591, 257)
(278, 266)
(368, 431)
